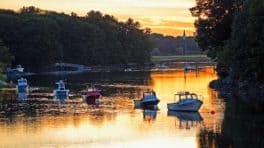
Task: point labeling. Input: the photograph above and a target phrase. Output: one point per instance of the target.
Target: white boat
(149, 99)
(186, 102)
(61, 91)
(19, 68)
(188, 68)
(22, 85)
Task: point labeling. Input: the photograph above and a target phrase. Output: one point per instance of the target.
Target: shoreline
(249, 93)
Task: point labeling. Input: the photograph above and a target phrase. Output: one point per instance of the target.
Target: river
(41, 121)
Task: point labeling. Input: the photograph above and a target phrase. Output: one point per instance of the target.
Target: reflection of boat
(187, 102)
(92, 95)
(186, 119)
(22, 96)
(149, 99)
(186, 116)
(149, 114)
(22, 85)
(61, 92)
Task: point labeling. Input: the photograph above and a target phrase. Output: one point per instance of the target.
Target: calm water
(41, 121)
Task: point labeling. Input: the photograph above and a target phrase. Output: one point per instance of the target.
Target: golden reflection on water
(122, 127)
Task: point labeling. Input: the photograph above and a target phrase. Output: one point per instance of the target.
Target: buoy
(212, 112)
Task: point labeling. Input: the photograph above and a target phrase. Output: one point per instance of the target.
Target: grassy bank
(181, 58)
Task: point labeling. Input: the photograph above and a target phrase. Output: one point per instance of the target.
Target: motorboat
(149, 99)
(186, 102)
(22, 85)
(188, 68)
(61, 91)
(92, 95)
(19, 68)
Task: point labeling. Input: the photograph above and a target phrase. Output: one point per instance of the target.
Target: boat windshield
(22, 81)
(149, 93)
(185, 95)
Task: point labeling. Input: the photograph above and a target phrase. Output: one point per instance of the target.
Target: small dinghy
(149, 99)
(186, 102)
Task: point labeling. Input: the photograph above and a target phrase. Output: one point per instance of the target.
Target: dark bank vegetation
(233, 33)
(5, 60)
(38, 38)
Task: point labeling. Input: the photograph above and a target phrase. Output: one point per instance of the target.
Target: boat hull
(187, 106)
(91, 99)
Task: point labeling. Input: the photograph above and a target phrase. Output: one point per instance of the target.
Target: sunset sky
(169, 17)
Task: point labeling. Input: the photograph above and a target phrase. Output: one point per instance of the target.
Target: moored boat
(92, 95)
(22, 85)
(186, 102)
(149, 99)
(61, 91)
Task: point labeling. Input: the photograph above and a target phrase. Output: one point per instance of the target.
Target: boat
(61, 91)
(149, 99)
(188, 68)
(92, 95)
(18, 69)
(186, 102)
(22, 85)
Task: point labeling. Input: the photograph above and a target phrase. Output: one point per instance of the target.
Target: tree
(5, 60)
(244, 52)
(46, 37)
(213, 24)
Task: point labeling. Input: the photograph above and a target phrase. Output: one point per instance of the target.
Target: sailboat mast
(184, 47)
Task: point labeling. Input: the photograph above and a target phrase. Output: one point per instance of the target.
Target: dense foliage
(241, 47)
(169, 45)
(5, 60)
(39, 38)
(213, 24)
(244, 51)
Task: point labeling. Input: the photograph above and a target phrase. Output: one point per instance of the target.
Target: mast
(184, 47)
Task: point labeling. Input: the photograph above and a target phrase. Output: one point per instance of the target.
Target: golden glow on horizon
(169, 17)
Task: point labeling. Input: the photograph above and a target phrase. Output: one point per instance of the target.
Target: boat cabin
(185, 95)
(22, 82)
(61, 85)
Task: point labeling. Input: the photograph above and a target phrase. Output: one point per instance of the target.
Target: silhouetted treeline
(38, 38)
(169, 45)
(232, 31)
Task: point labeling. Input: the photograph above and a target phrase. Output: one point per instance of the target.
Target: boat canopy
(185, 95)
(149, 93)
(61, 85)
(22, 81)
